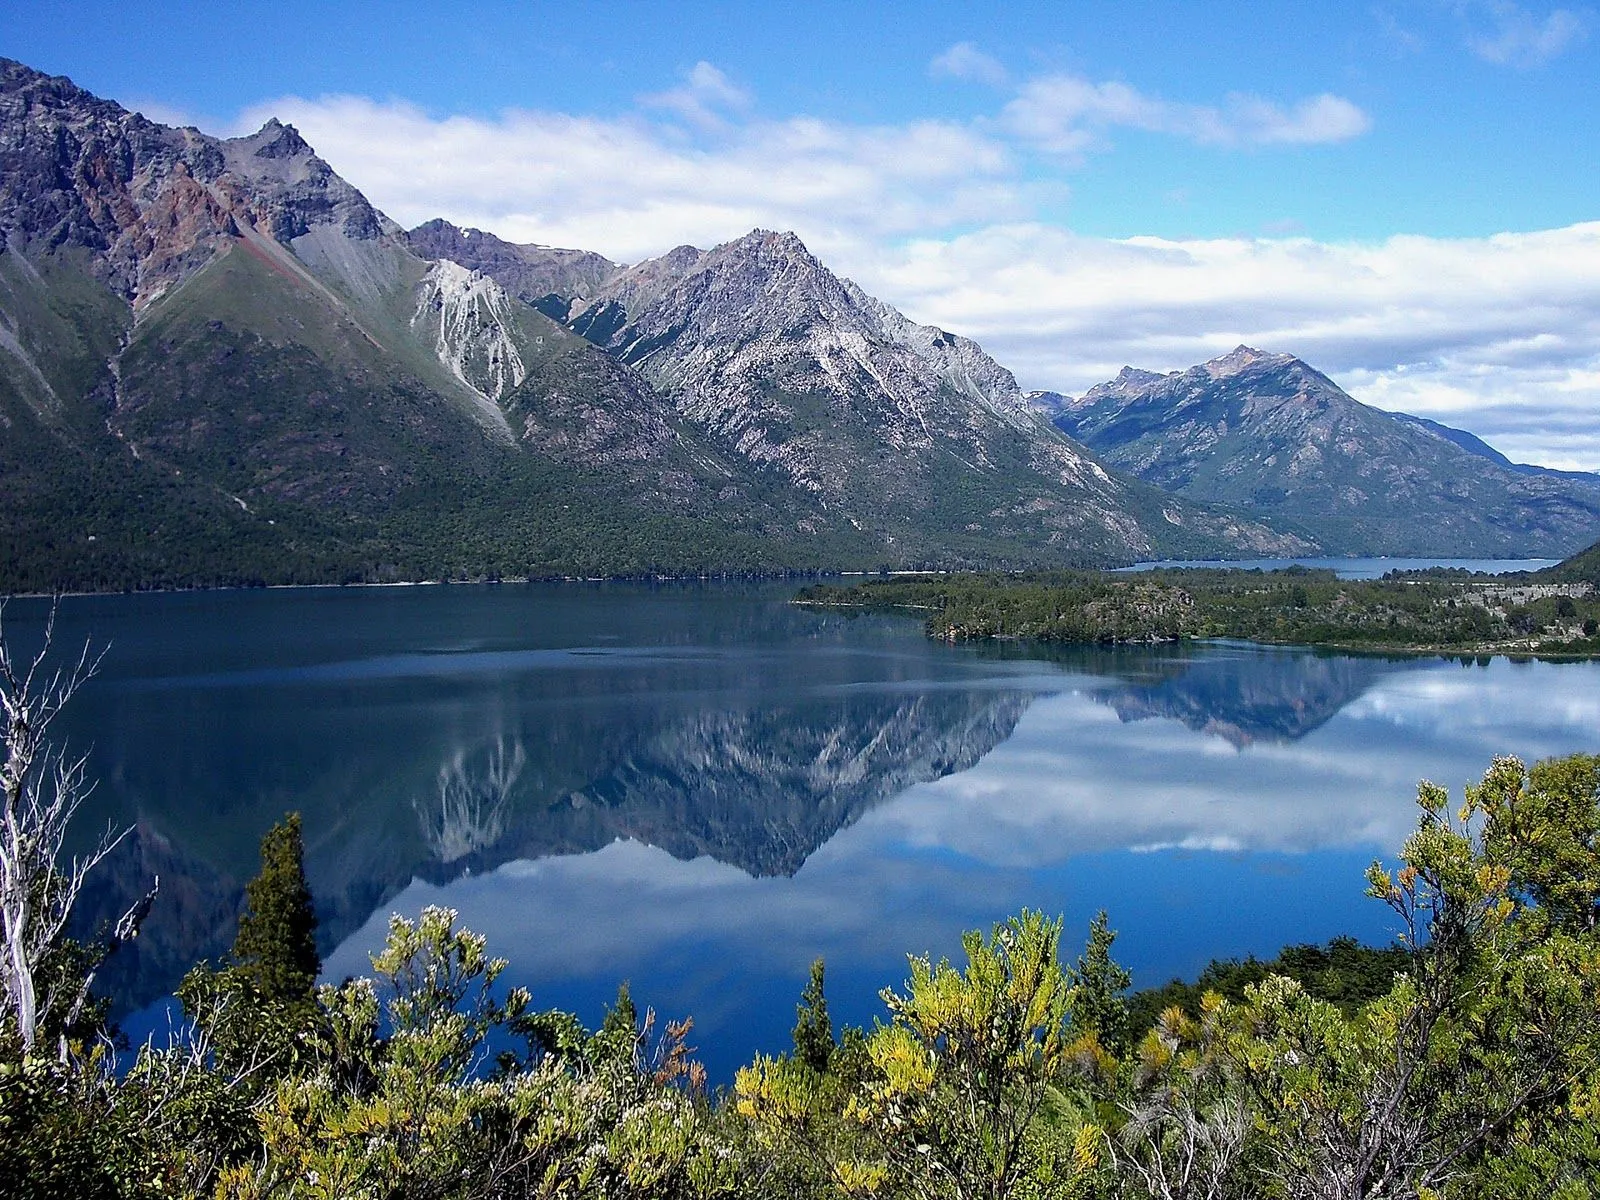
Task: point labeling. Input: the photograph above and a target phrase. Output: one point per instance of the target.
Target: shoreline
(1517, 650)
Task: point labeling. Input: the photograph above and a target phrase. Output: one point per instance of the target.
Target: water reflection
(1198, 842)
(469, 814)
(702, 789)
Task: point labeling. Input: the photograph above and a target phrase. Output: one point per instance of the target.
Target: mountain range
(1269, 434)
(219, 363)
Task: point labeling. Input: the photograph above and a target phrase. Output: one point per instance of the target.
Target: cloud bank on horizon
(959, 223)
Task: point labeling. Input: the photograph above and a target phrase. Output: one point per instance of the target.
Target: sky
(1405, 194)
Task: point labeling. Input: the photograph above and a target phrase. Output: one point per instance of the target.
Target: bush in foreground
(1464, 1064)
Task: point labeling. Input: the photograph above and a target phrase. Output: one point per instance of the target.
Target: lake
(700, 787)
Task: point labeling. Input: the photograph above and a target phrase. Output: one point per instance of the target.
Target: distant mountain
(1268, 434)
(220, 364)
(1476, 445)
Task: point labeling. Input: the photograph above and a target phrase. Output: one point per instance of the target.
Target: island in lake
(1551, 612)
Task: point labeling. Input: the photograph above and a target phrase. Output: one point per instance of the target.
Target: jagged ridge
(1269, 434)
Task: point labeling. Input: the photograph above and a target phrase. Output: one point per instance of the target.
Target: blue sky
(1077, 185)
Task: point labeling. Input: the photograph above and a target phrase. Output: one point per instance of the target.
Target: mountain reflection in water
(701, 788)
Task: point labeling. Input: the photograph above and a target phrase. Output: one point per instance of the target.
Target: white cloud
(1500, 335)
(966, 62)
(1518, 38)
(1068, 114)
(629, 188)
(705, 100)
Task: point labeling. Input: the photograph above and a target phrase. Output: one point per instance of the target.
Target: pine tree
(1100, 1001)
(276, 947)
(813, 1031)
(618, 1038)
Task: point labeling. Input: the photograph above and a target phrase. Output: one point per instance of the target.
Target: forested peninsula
(1554, 613)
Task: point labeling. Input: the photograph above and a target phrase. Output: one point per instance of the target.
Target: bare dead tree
(42, 787)
(1172, 1150)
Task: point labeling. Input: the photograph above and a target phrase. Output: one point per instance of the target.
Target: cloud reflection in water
(1223, 827)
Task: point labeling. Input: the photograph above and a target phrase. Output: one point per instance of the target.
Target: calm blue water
(700, 788)
(1360, 568)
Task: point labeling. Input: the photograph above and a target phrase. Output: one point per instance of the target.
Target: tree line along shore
(1549, 614)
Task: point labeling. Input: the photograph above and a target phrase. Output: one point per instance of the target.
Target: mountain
(1272, 436)
(1474, 444)
(896, 428)
(1582, 567)
(219, 363)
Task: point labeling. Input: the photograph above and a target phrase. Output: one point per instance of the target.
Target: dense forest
(1464, 1061)
(1447, 610)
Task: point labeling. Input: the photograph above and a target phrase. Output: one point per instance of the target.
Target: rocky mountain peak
(1133, 376)
(153, 204)
(690, 307)
(1129, 383)
(1240, 358)
(1271, 433)
(678, 260)
(277, 140)
(18, 78)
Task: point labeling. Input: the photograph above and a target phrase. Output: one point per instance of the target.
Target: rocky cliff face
(469, 319)
(152, 204)
(897, 429)
(1269, 434)
(552, 280)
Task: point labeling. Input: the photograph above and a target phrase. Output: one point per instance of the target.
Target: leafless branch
(41, 789)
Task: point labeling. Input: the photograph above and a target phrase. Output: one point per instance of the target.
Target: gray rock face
(1268, 434)
(807, 377)
(552, 280)
(152, 204)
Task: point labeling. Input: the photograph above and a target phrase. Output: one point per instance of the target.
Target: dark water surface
(700, 788)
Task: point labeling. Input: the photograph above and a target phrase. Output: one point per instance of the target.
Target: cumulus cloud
(964, 61)
(627, 188)
(1500, 335)
(1516, 37)
(1069, 114)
